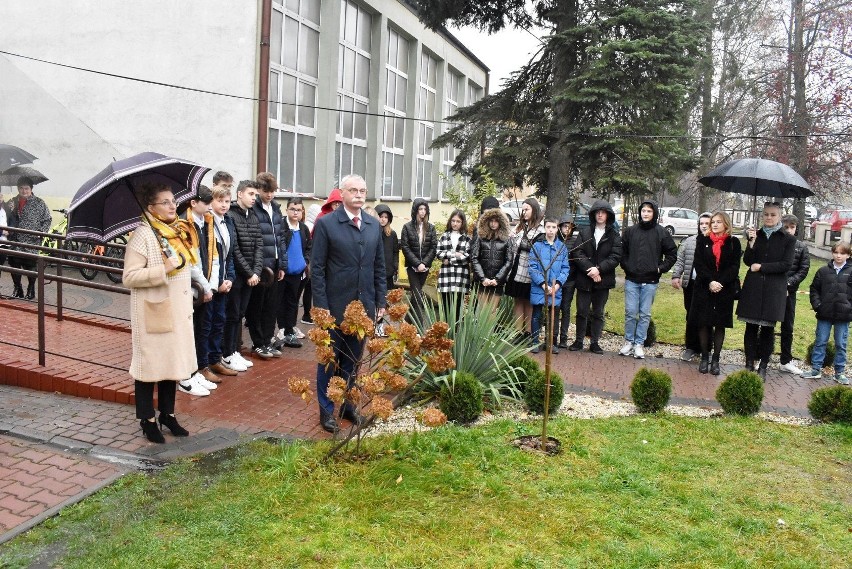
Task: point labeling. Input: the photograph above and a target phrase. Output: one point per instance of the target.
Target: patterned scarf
(178, 237)
(770, 230)
(718, 242)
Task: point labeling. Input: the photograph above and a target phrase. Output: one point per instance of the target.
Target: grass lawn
(626, 492)
(670, 317)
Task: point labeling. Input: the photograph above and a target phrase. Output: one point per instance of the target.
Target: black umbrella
(12, 156)
(10, 177)
(106, 206)
(758, 177)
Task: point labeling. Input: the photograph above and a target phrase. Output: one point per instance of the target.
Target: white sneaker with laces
(626, 349)
(790, 367)
(234, 364)
(199, 379)
(239, 357)
(639, 352)
(298, 333)
(193, 388)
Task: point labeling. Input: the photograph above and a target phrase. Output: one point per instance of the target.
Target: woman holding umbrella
(157, 271)
(763, 300)
(26, 211)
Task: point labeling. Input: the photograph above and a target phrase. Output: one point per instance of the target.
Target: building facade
(310, 90)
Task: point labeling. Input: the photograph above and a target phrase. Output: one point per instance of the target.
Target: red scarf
(718, 241)
(21, 203)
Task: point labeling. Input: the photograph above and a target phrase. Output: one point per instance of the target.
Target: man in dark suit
(347, 263)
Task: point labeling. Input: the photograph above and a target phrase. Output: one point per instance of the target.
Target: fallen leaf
(398, 480)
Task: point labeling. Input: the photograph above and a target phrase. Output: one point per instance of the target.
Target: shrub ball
(832, 404)
(534, 394)
(741, 393)
(461, 398)
(651, 390)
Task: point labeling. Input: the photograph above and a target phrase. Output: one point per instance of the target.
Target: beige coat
(160, 312)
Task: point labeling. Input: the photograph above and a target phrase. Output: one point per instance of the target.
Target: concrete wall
(76, 122)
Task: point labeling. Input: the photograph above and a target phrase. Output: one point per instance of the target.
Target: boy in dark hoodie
(648, 252)
(563, 317)
(419, 245)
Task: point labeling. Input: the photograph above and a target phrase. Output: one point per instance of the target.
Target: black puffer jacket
(831, 293)
(800, 268)
(390, 244)
(414, 251)
(604, 255)
(273, 238)
(248, 253)
(570, 244)
(492, 253)
(648, 249)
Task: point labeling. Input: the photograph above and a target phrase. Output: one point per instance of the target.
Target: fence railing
(59, 258)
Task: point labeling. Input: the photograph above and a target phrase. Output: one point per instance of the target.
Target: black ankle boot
(749, 365)
(761, 370)
(30, 291)
(18, 291)
(714, 365)
(704, 364)
(169, 421)
(151, 431)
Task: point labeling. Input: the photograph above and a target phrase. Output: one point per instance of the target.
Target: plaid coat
(455, 274)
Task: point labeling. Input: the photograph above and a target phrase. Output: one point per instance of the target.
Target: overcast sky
(503, 52)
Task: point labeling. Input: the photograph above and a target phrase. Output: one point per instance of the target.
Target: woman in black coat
(763, 300)
(717, 266)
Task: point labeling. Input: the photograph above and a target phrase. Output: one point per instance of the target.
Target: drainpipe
(263, 86)
(482, 142)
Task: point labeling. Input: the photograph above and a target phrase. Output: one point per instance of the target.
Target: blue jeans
(539, 319)
(841, 332)
(638, 298)
(216, 337)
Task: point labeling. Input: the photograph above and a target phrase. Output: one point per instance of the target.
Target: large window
(393, 146)
(293, 71)
(426, 94)
(451, 106)
(353, 90)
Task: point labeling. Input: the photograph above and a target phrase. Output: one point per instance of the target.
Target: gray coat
(685, 260)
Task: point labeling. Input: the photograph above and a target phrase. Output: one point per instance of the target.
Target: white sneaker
(193, 388)
(238, 357)
(199, 379)
(790, 367)
(639, 352)
(299, 334)
(626, 349)
(234, 364)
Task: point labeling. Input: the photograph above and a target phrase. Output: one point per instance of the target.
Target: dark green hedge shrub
(534, 394)
(741, 393)
(529, 366)
(829, 354)
(651, 390)
(461, 398)
(832, 404)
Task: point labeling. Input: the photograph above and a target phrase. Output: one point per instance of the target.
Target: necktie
(357, 222)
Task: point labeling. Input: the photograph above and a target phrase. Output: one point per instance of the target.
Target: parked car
(512, 209)
(679, 221)
(836, 217)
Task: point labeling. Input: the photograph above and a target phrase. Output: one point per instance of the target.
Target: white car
(679, 221)
(512, 209)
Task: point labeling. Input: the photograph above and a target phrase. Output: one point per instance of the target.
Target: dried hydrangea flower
(382, 408)
(322, 318)
(301, 387)
(433, 417)
(395, 295)
(336, 389)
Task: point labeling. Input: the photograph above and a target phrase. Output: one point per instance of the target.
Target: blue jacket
(347, 264)
(554, 260)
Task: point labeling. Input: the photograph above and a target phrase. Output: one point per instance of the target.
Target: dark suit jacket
(347, 264)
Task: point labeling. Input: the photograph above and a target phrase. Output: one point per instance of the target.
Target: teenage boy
(649, 251)
(226, 238)
(263, 307)
(797, 273)
(248, 265)
(297, 242)
(563, 316)
(548, 271)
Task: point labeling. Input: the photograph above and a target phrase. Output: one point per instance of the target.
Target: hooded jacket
(648, 249)
(605, 254)
(413, 250)
(492, 252)
(390, 243)
(570, 242)
(831, 293)
(274, 250)
(336, 196)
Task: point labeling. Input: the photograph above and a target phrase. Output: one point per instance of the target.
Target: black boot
(171, 422)
(749, 365)
(704, 364)
(714, 365)
(761, 369)
(328, 422)
(349, 412)
(30, 291)
(151, 431)
(18, 291)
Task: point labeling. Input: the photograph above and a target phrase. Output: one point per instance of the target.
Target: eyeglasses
(771, 204)
(294, 209)
(357, 191)
(166, 203)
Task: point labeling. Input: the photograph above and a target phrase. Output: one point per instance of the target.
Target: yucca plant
(485, 343)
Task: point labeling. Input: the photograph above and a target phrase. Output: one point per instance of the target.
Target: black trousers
(596, 299)
(759, 342)
(21, 263)
(787, 328)
(307, 300)
(262, 313)
(691, 340)
(563, 315)
(144, 392)
(289, 291)
(235, 310)
(416, 281)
